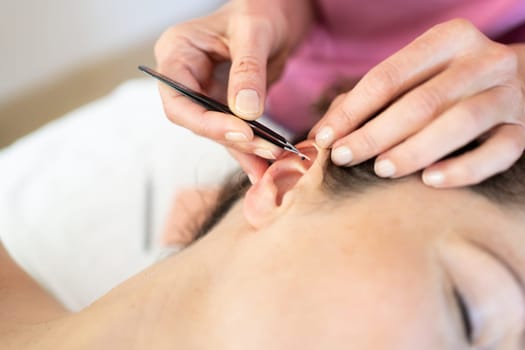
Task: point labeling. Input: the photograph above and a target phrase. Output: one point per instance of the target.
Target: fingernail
(433, 178)
(342, 155)
(236, 136)
(325, 137)
(252, 179)
(385, 168)
(264, 153)
(247, 103)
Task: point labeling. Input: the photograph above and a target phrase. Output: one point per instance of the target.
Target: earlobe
(275, 191)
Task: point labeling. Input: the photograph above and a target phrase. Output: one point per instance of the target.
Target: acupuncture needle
(210, 104)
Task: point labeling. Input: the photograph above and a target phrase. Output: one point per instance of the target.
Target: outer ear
(260, 202)
(275, 191)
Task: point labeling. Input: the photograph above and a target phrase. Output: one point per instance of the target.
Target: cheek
(311, 294)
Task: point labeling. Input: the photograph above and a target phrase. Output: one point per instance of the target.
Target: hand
(256, 38)
(450, 86)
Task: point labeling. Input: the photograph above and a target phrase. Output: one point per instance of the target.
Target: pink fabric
(352, 36)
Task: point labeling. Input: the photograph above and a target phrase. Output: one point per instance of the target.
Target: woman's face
(401, 266)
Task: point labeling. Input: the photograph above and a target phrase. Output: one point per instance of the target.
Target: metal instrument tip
(293, 149)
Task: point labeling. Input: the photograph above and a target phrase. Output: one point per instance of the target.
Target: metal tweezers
(210, 104)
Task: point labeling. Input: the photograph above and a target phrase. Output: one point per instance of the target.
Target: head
(319, 257)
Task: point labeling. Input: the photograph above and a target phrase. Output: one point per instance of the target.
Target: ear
(276, 191)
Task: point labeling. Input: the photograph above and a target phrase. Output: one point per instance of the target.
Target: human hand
(256, 39)
(450, 86)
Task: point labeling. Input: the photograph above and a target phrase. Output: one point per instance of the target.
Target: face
(400, 266)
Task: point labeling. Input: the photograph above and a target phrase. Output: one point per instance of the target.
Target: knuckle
(511, 96)
(164, 42)
(513, 88)
(349, 119)
(366, 143)
(471, 117)
(462, 25)
(247, 65)
(428, 101)
(383, 80)
(501, 58)
(505, 57)
(458, 29)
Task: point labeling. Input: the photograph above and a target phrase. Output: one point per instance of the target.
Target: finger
(326, 138)
(191, 65)
(254, 156)
(252, 165)
(495, 155)
(214, 125)
(250, 45)
(419, 107)
(258, 147)
(189, 56)
(417, 62)
(456, 127)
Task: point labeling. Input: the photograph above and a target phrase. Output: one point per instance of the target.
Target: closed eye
(489, 298)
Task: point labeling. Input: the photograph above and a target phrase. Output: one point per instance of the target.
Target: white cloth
(72, 194)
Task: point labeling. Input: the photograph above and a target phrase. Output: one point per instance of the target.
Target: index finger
(423, 58)
(214, 125)
(190, 68)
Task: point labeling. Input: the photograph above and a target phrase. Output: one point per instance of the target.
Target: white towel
(72, 194)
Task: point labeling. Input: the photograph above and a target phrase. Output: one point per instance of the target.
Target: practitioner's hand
(255, 38)
(450, 86)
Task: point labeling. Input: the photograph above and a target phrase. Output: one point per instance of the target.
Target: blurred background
(60, 54)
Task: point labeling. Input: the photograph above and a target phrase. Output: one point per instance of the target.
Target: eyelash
(465, 316)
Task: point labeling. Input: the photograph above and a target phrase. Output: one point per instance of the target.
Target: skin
(432, 104)
(289, 268)
(240, 47)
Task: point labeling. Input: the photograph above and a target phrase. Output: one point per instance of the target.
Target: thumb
(250, 44)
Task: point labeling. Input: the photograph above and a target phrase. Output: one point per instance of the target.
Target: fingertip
(433, 178)
(385, 168)
(247, 104)
(325, 137)
(342, 156)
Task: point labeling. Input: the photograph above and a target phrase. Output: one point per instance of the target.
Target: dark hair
(506, 188)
